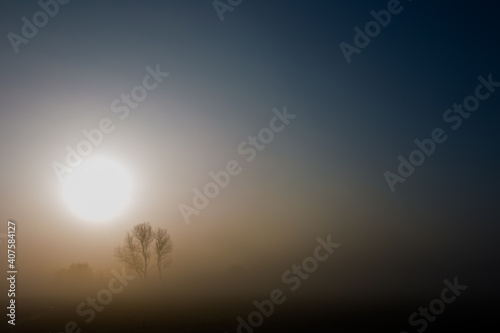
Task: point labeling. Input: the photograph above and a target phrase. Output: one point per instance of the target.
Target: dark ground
(467, 314)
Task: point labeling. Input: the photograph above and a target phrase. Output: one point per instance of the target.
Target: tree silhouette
(135, 252)
(75, 271)
(129, 254)
(163, 247)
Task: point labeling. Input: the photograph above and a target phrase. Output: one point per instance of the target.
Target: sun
(99, 189)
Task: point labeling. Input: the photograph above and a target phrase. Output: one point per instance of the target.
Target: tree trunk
(159, 271)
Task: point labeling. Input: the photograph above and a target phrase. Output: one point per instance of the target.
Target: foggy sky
(322, 175)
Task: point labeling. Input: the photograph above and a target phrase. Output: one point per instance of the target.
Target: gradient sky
(322, 175)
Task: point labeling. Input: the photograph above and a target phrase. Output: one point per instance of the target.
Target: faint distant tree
(76, 273)
(80, 270)
(136, 252)
(163, 247)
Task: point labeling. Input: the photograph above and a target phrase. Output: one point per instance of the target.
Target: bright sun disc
(99, 189)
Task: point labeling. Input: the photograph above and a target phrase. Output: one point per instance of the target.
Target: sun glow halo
(99, 189)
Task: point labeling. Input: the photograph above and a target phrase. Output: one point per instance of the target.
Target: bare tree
(135, 252)
(129, 254)
(163, 246)
(77, 272)
(144, 234)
